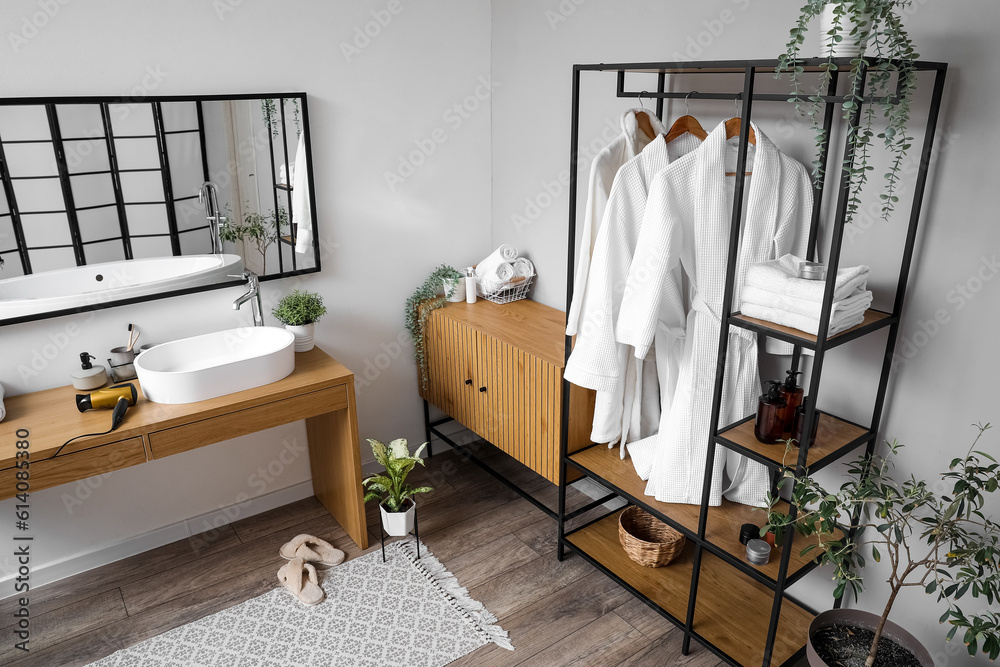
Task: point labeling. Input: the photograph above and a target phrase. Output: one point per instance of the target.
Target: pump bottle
(792, 395)
(768, 427)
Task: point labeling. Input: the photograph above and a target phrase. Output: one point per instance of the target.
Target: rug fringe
(479, 617)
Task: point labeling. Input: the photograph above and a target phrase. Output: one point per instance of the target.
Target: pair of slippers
(304, 554)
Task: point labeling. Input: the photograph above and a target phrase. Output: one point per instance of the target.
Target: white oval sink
(215, 364)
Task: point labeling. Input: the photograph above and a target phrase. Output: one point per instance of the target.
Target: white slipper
(305, 588)
(312, 549)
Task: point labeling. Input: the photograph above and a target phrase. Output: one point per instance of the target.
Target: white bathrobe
(628, 399)
(687, 224)
(603, 169)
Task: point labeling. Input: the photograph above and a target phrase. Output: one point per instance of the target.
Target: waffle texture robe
(686, 225)
(628, 390)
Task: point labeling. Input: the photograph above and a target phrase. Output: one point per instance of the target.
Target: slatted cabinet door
(493, 377)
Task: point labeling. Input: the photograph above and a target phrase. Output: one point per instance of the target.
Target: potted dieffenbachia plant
(944, 543)
(299, 312)
(389, 487)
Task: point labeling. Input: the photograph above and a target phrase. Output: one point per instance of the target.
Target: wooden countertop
(51, 417)
(526, 324)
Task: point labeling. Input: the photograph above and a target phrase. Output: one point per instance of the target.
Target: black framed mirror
(107, 201)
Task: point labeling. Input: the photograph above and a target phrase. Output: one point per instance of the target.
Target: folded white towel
(860, 301)
(780, 276)
(808, 324)
(523, 268)
(496, 267)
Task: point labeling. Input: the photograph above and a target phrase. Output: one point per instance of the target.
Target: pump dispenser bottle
(88, 376)
(792, 395)
(769, 428)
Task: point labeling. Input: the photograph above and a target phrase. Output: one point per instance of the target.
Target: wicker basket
(647, 540)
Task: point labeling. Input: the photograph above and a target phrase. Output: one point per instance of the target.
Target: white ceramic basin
(215, 364)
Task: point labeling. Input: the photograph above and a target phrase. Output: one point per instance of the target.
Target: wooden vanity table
(319, 390)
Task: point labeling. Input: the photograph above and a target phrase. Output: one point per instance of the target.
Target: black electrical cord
(117, 415)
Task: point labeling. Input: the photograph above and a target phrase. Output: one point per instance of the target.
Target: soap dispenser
(89, 376)
(768, 427)
(792, 395)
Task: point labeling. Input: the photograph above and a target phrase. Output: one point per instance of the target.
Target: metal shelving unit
(741, 612)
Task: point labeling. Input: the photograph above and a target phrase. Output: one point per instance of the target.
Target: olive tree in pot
(944, 543)
(395, 496)
(299, 312)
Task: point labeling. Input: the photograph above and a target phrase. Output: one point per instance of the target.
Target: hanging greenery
(269, 111)
(421, 304)
(878, 32)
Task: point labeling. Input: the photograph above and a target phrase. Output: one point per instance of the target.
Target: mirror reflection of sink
(215, 364)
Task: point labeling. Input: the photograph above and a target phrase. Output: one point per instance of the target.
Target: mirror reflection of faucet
(252, 295)
(208, 195)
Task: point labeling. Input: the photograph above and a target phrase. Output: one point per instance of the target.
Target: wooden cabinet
(497, 369)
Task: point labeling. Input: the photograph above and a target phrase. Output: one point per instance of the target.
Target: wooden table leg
(335, 461)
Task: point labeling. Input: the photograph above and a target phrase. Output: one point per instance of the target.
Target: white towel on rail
(301, 204)
(781, 277)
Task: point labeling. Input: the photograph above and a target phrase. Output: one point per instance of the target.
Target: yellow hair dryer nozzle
(107, 398)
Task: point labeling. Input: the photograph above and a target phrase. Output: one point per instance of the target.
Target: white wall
(366, 110)
(947, 380)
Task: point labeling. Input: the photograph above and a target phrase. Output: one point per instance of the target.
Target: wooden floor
(498, 545)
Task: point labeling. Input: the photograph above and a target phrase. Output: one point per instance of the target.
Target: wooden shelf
(832, 435)
(723, 527)
(731, 612)
(287, 239)
(874, 319)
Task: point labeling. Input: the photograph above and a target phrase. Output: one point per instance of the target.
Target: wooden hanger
(733, 128)
(686, 125)
(642, 119)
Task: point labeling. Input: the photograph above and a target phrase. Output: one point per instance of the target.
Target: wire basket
(647, 540)
(504, 292)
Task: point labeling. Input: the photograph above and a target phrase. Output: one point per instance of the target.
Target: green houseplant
(944, 543)
(419, 307)
(258, 229)
(874, 29)
(395, 496)
(299, 312)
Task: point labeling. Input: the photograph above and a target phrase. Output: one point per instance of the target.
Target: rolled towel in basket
(496, 267)
(523, 268)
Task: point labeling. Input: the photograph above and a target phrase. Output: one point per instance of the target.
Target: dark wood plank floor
(498, 545)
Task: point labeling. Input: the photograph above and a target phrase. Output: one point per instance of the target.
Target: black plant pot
(868, 621)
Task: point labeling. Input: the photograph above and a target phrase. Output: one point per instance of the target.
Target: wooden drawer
(67, 468)
(241, 422)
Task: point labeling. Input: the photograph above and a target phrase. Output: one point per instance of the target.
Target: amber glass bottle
(768, 428)
(792, 394)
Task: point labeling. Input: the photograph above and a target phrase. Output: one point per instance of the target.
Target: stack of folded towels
(503, 268)
(773, 292)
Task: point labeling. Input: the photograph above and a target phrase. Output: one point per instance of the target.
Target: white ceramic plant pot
(846, 47)
(303, 336)
(398, 524)
(459, 294)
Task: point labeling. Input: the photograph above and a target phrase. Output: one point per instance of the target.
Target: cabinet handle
(482, 389)
(468, 382)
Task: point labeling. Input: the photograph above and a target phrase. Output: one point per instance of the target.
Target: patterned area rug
(403, 612)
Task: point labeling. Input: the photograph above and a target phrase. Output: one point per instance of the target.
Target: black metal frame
(416, 533)
(747, 96)
(77, 244)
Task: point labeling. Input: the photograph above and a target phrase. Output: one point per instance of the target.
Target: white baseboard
(78, 563)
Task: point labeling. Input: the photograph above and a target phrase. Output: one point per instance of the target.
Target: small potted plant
(943, 543)
(395, 496)
(420, 305)
(453, 283)
(858, 29)
(299, 312)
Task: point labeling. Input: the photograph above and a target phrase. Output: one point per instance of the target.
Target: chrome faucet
(252, 295)
(209, 196)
